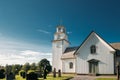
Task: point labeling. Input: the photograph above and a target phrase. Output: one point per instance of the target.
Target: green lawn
(64, 76)
(49, 77)
(106, 79)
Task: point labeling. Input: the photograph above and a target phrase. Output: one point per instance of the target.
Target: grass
(49, 77)
(19, 78)
(106, 79)
(3, 79)
(64, 76)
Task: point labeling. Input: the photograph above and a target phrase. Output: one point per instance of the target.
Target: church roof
(101, 39)
(69, 49)
(69, 53)
(115, 45)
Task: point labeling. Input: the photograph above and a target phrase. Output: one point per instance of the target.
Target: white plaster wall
(65, 65)
(106, 64)
(57, 53)
(66, 44)
(56, 57)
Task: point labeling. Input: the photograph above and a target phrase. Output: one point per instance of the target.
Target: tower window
(93, 49)
(70, 65)
(59, 29)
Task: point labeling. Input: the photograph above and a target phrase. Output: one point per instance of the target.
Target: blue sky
(27, 26)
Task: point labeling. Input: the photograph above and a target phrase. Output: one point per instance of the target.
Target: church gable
(95, 51)
(94, 43)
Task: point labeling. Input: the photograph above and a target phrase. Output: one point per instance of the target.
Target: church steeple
(60, 33)
(59, 44)
(61, 29)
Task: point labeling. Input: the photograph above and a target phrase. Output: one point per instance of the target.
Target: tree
(26, 67)
(16, 68)
(44, 63)
(8, 69)
(33, 66)
(2, 75)
(45, 67)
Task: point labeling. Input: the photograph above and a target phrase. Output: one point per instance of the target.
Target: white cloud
(69, 32)
(29, 52)
(15, 52)
(23, 57)
(43, 31)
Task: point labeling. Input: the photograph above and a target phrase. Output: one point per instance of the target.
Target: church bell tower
(59, 44)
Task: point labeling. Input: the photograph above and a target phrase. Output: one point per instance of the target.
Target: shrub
(2, 75)
(31, 75)
(22, 73)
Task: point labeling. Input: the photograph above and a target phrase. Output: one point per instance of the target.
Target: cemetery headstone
(59, 73)
(54, 72)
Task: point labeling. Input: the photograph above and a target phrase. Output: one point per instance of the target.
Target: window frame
(93, 49)
(71, 65)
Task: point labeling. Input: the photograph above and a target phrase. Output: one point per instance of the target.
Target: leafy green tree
(33, 66)
(16, 68)
(8, 69)
(45, 64)
(26, 67)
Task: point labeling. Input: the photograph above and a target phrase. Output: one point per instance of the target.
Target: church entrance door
(93, 67)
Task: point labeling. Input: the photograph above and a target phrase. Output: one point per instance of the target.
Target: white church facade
(93, 56)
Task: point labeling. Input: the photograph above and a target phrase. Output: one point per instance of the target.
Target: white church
(93, 56)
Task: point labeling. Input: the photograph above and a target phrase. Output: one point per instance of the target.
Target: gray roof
(69, 53)
(115, 45)
(69, 49)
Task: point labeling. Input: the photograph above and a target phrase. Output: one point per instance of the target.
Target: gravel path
(86, 77)
(83, 78)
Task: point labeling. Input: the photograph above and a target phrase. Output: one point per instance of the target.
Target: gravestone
(59, 73)
(54, 72)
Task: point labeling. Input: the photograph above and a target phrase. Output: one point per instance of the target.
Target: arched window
(70, 65)
(93, 49)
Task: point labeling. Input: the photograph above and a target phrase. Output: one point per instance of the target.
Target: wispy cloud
(15, 52)
(69, 32)
(43, 31)
(21, 57)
